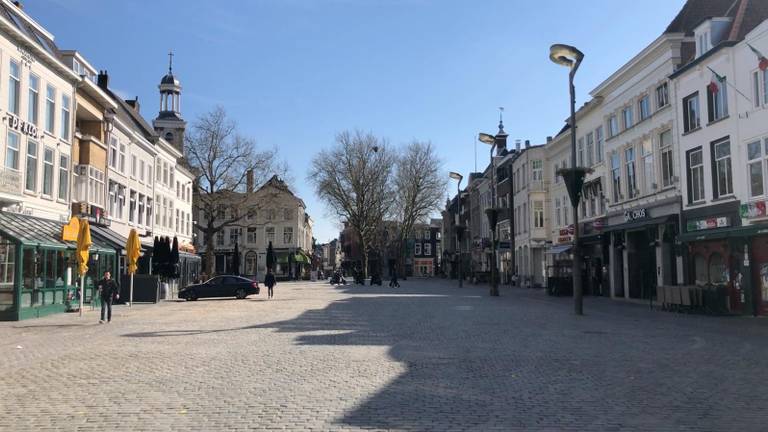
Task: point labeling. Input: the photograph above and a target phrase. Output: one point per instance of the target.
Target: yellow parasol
(83, 244)
(132, 250)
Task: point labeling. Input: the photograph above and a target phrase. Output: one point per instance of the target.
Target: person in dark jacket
(393, 283)
(270, 282)
(109, 291)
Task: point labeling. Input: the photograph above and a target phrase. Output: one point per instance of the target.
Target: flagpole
(130, 300)
(727, 83)
(82, 290)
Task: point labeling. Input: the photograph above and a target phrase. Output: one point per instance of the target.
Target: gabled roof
(694, 12)
(276, 182)
(129, 116)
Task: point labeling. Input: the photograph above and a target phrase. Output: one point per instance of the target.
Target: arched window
(700, 269)
(169, 136)
(718, 271)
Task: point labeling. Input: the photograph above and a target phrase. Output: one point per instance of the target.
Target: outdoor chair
(660, 296)
(685, 298)
(674, 297)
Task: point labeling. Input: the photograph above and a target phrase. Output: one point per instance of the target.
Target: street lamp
(492, 212)
(571, 57)
(458, 177)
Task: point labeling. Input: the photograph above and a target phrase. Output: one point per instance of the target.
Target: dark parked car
(220, 286)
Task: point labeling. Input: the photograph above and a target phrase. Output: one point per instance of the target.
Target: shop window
(7, 273)
(718, 271)
(700, 270)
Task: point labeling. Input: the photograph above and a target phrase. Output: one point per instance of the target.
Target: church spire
(170, 62)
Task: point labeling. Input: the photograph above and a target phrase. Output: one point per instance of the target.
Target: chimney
(549, 139)
(18, 4)
(249, 181)
(517, 144)
(134, 103)
(527, 143)
(103, 80)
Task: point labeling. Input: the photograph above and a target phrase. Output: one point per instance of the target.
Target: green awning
(39, 232)
(721, 233)
(300, 257)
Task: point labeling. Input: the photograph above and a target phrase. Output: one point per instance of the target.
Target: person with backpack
(270, 282)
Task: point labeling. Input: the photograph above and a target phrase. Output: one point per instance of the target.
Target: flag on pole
(762, 61)
(716, 82)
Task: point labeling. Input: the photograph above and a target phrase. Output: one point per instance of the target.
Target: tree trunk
(210, 258)
(364, 245)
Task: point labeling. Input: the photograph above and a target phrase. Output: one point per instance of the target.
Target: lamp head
(566, 55)
(486, 138)
(455, 176)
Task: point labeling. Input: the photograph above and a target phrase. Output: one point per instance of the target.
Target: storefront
(727, 246)
(38, 269)
(644, 237)
(594, 251)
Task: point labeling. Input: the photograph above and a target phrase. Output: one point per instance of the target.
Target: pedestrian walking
(109, 291)
(270, 282)
(393, 283)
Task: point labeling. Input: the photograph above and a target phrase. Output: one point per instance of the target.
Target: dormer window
(710, 33)
(702, 43)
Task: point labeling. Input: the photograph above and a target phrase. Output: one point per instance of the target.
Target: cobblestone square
(427, 356)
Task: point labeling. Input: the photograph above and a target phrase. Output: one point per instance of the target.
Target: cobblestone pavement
(427, 356)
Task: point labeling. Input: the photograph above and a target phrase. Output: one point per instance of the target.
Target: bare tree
(419, 186)
(221, 159)
(354, 180)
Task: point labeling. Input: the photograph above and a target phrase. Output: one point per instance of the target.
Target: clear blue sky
(294, 72)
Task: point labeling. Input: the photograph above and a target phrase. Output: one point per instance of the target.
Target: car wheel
(240, 293)
(191, 296)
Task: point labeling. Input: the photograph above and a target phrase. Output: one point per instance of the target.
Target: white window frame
(755, 161)
(662, 95)
(628, 117)
(417, 249)
(644, 108)
(50, 109)
(63, 190)
(49, 172)
(667, 159)
(287, 235)
(33, 102)
(31, 166)
(724, 161)
(697, 187)
(427, 249)
(630, 171)
(14, 87)
(66, 117)
(613, 126)
(691, 112)
(599, 139)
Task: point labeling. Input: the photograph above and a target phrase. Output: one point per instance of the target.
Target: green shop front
(38, 270)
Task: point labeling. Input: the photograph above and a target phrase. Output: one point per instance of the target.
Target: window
(287, 214)
(48, 155)
(33, 103)
(12, 151)
(158, 201)
(30, 183)
(177, 226)
(171, 170)
(566, 201)
(140, 213)
(132, 206)
(695, 161)
(755, 169)
(270, 233)
(557, 212)
(271, 213)
(427, 249)
(557, 176)
(287, 235)
(65, 103)
(121, 162)
(590, 149)
(537, 170)
(113, 152)
(599, 144)
(613, 126)
(165, 173)
(141, 171)
(717, 99)
(662, 96)
(427, 234)
(723, 180)
(649, 178)
(538, 214)
(96, 186)
(112, 199)
(616, 176)
(644, 108)
(158, 170)
(626, 115)
(756, 87)
(417, 249)
(50, 108)
(149, 211)
(629, 157)
(134, 165)
(765, 86)
(63, 177)
(580, 152)
(149, 174)
(14, 87)
(220, 237)
(691, 112)
(251, 236)
(667, 160)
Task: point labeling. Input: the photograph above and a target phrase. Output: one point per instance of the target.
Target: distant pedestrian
(270, 282)
(109, 291)
(393, 283)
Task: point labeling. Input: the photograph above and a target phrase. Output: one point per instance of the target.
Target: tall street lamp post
(458, 177)
(571, 57)
(492, 213)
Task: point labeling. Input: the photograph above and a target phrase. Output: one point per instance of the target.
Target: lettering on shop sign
(20, 125)
(710, 223)
(632, 215)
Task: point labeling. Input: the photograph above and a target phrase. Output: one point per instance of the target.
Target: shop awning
(39, 232)
(301, 257)
(109, 237)
(554, 250)
(721, 233)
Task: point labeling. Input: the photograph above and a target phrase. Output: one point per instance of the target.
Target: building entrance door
(641, 265)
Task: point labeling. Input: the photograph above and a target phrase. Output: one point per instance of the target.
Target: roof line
(739, 20)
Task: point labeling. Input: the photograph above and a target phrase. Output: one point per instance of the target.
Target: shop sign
(709, 223)
(633, 215)
(10, 181)
(753, 210)
(21, 126)
(596, 226)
